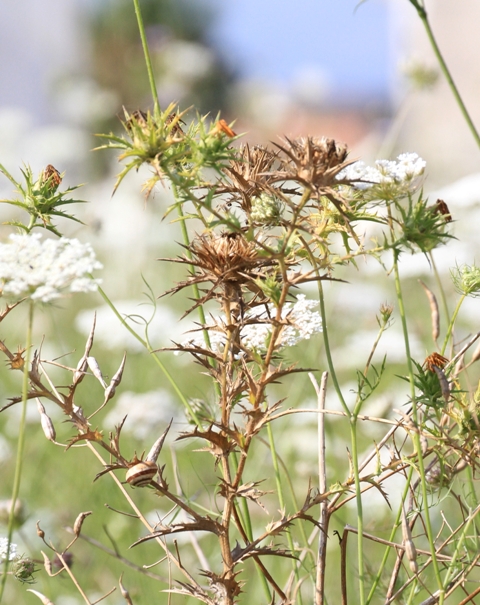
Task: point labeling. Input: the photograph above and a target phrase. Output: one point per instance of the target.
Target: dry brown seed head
(250, 173)
(316, 161)
(77, 526)
(225, 255)
(435, 359)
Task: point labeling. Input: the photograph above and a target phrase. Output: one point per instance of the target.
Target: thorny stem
(353, 436)
(146, 52)
(390, 539)
(142, 518)
(20, 446)
(322, 487)
(422, 13)
(196, 291)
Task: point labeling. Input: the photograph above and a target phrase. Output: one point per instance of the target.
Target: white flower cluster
(388, 179)
(304, 323)
(43, 270)
(12, 553)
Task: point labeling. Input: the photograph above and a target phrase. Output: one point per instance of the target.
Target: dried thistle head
(229, 257)
(250, 171)
(229, 262)
(435, 360)
(313, 162)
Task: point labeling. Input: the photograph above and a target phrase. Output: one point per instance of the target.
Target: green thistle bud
(466, 280)
(23, 569)
(266, 209)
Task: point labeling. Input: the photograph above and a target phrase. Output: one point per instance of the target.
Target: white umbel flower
(304, 322)
(388, 179)
(45, 270)
(12, 553)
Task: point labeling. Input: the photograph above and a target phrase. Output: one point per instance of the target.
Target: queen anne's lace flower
(388, 179)
(12, 553)
(44, 270)
(304, 323)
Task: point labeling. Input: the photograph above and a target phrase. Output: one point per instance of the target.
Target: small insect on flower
(435, 360)
(442, 208)
(222, 127)
(52, 176)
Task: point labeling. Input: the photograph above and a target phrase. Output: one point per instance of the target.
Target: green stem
(196, 291)
(328, 353)
(281, 501)
(452, 323)
(359, 505)
(422, 13)
(353, 435)
(443, 296)
(146, 52)
(20, 446)
(388, 550)
(147, 345)
(416, 435)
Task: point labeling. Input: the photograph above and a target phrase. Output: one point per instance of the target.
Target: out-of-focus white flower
(388, 179)
(12, 552)
(147, 413)
(304, 323)
(162, 327)
(45, 270)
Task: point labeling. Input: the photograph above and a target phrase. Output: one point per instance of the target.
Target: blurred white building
(433, 125)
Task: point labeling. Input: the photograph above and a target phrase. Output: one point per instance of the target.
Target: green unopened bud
(23, 569)
(266, 209)
(466, 280)
(385, 313)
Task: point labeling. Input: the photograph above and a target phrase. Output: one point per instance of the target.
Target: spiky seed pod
(124, 592)
(45, 600)
(141, 474)
(156, 448)
(408, 543)
(116, 379)
(77, 526)
(95, 369)
(444, 384)
(314, 161)
(46, 422)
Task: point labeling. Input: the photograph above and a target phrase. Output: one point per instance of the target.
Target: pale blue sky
(275, 39)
